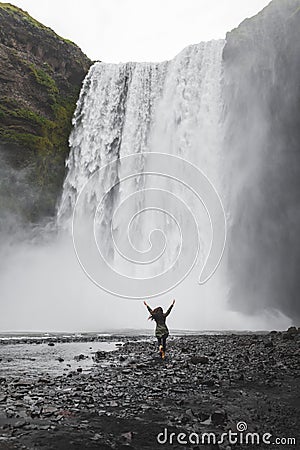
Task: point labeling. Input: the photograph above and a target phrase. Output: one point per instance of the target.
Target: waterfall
(127, 108)
(113, 118)
(173, 107)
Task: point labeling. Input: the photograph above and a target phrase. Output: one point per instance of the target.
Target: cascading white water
(113, 118)
(171, 107)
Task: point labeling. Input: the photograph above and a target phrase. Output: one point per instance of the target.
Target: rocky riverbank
(206, 384)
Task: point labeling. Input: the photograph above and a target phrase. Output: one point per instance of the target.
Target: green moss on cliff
(14, 10)
(44, 79)
(10, 109)
(40, 79)
(47, 145)
(48, 134)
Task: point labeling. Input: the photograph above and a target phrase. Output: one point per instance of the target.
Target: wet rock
(49, 410)
(99, 356)
(128, 436)
(288, 336)
(35, 412)
(184, 419)
(20, 424)
(190, 413)
(44, 380)
(113, 404)
(219, 417)
(31, 426)
(24, 383)
(60, 359)
(203, 416)
(199, 360)
(292, 330)
(44, 427)
(80, 357)
(185, 350)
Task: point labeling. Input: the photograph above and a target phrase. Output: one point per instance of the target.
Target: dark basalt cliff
(40, 79)
(262, 96)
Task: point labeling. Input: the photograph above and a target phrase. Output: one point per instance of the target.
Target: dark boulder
(199, 360)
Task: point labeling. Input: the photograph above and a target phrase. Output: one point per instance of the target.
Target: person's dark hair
(156, 312)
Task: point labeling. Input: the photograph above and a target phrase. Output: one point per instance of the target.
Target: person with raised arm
(161, 330)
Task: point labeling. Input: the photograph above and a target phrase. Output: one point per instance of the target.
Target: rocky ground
(206, 384)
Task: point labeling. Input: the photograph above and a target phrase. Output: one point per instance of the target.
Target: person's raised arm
(170, 308)
(148, 307)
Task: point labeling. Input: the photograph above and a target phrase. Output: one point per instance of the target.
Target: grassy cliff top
(23, 15)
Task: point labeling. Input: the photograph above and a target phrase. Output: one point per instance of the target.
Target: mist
(43, 288)
(262, 128)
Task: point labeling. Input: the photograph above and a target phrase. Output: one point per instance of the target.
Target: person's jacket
(160, 319)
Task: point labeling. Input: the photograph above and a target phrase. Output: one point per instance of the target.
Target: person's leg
(159, 341)
(160, 346)
(164, 343)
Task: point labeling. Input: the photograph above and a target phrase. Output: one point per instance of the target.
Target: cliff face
(40, 79)
(262, 92)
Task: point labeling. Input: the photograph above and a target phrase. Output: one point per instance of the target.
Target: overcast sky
(139, 30)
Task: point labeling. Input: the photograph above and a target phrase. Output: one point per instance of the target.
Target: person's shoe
(161, 351)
